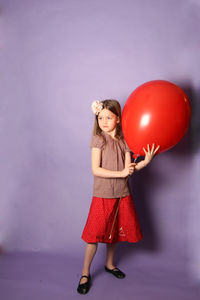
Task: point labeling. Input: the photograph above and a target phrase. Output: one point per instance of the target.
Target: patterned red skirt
(100, 219)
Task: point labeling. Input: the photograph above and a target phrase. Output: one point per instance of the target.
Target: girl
(111, 164)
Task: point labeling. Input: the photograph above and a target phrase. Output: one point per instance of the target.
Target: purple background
(56, 58)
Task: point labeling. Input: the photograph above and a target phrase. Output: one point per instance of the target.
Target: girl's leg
(90, 252)
(110, 256)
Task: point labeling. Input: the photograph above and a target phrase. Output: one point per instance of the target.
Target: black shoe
(83, 288)
(116, 272)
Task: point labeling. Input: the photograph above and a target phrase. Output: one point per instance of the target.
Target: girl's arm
(149, 154)
(141, 165)
(101, 172)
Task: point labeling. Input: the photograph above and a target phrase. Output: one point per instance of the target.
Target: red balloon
(157, 112)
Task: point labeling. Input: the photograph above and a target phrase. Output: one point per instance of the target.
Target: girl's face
(107, 120)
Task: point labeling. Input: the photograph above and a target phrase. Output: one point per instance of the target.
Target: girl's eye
(108, 118)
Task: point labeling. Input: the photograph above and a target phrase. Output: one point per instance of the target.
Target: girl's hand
(150, 153)
(128, 170)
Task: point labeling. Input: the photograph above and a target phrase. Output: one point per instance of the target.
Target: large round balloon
(157, 112)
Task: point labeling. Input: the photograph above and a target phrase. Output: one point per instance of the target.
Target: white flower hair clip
(97, 106)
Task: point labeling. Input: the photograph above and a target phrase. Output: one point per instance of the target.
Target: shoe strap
(85, 276)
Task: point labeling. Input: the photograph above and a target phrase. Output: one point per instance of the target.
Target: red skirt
(100, 219)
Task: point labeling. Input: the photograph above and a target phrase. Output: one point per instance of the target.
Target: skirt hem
(112, 241)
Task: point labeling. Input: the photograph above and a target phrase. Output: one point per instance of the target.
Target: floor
(34, 276)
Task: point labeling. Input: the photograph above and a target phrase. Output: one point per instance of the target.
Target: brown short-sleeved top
(112, 158)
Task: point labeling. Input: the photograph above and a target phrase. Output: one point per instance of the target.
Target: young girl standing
(111, 164)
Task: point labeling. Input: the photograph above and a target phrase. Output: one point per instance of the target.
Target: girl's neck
(112, 133)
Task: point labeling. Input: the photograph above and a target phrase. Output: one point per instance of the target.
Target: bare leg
(110, 256)
(90, 252)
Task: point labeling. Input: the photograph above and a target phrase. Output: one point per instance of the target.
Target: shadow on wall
(1, 250)
(187, 147)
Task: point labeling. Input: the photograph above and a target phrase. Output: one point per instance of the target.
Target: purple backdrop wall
(56, 58)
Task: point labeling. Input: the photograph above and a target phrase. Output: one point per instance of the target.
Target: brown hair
(115, 108)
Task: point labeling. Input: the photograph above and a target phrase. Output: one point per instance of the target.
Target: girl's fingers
(131, 171)
(152, 148)
(151, 151)
(132, 164)
(157, 149)
(144, 150)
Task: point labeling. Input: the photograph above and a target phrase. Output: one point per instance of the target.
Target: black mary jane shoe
(116, 272)
(83, 288)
